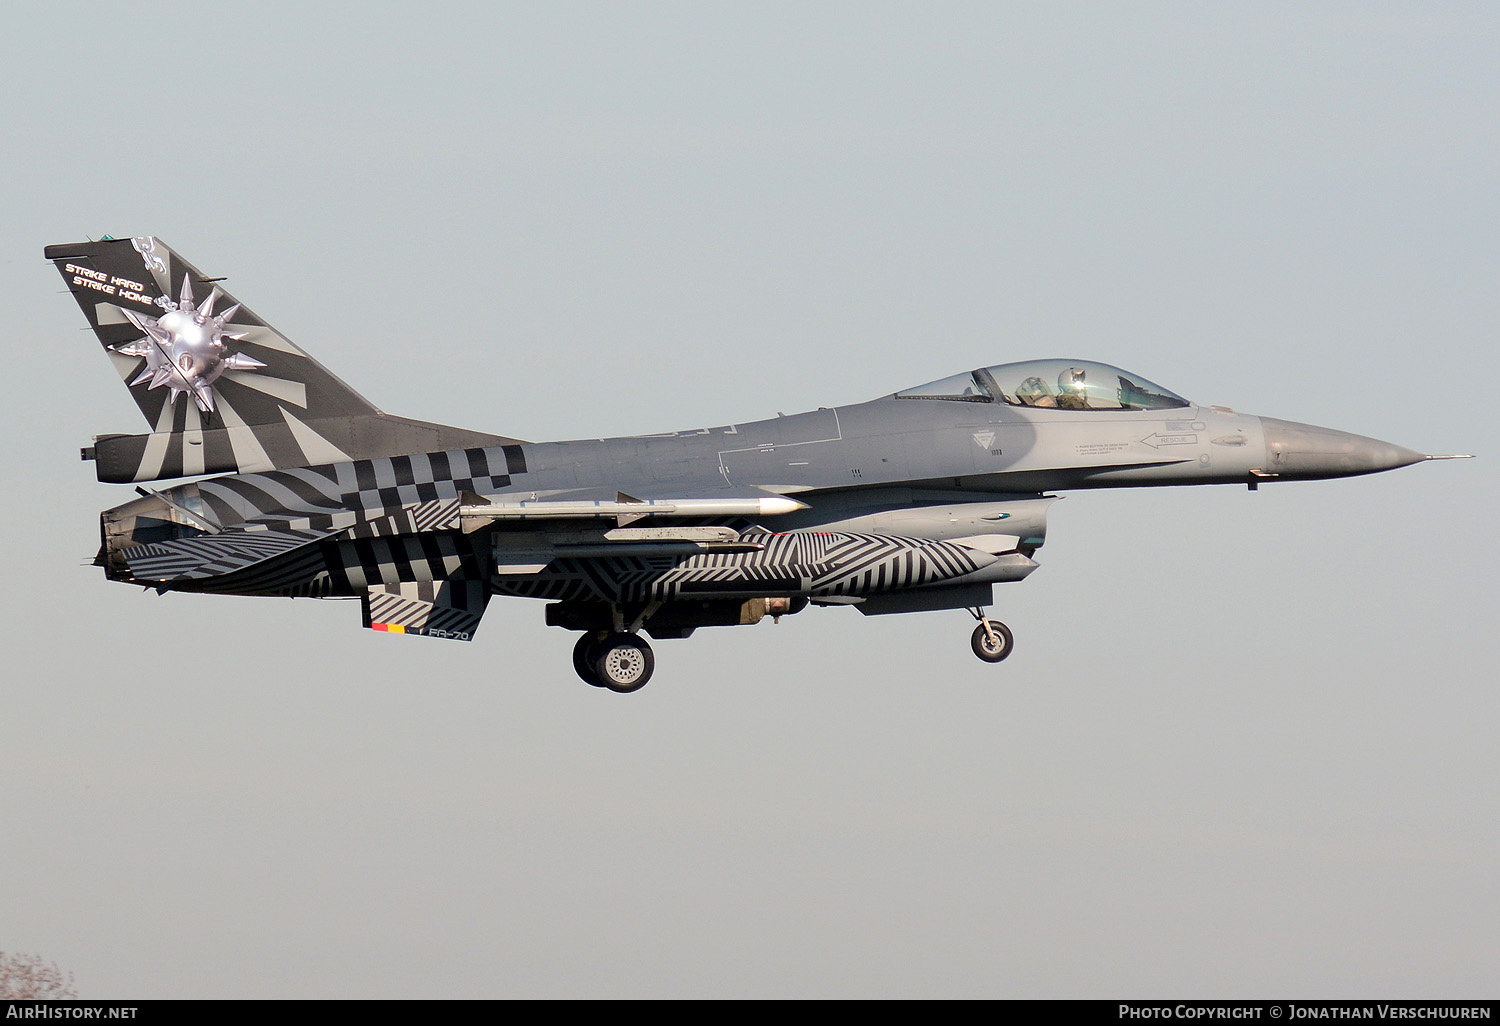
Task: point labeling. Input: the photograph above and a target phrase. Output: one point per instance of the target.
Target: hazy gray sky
(1246, 744)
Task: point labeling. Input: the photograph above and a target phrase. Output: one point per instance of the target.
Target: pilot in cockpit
(1071, 391)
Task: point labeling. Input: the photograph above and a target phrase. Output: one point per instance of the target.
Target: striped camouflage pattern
(388, 531)
(419, 490)
(216, 557)
(332, 530)
(819, 564)
(447, 609)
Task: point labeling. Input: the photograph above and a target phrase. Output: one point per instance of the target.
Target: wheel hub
(624, 665)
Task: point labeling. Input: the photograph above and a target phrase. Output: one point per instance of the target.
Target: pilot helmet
(1070, 382)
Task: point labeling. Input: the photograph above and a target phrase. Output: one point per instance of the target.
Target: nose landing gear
(992, 641)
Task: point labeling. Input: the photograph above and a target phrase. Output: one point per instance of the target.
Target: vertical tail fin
(221, 389)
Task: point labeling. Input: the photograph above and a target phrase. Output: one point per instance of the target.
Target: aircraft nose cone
(1302, 450)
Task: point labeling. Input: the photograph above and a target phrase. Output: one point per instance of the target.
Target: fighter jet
(293, 484)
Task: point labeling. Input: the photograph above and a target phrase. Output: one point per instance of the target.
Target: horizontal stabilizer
(210, 556)
(440, 609)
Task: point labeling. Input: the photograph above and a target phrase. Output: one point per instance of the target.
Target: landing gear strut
(992, 640)
(619, 661)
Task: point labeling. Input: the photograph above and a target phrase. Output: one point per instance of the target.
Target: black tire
(987, 650)
(623, 663)
(583, 659)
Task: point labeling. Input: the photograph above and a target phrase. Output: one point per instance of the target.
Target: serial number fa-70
(920, 500)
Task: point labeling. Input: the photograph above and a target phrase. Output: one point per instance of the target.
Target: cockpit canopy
(1052, 384)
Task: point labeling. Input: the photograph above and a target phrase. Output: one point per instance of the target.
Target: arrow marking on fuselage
(1156, 441)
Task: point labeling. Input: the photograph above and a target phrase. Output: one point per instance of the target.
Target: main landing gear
(992, 640)
(622, 660)
(619, 661)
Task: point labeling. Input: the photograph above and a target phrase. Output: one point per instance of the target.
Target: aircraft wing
(420, 568)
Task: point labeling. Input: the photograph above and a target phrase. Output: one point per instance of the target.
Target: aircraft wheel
(623, 662)
(992, 651)
(583, 659)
